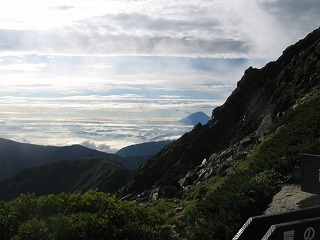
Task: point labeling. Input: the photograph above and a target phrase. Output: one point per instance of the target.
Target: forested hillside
(66, 176)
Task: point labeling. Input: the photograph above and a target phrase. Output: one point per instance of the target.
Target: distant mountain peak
(195, 118)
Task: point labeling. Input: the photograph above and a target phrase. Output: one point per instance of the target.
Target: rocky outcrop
(225, 160)
(289, 198)
(246, 118)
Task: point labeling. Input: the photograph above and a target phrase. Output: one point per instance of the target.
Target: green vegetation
(66, 176)
(247, 192)
(92, 215)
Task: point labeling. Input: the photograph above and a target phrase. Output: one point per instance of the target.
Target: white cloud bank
(143, 60)
(232, 28)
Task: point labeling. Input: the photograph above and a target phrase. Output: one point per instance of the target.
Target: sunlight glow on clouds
(64, 64)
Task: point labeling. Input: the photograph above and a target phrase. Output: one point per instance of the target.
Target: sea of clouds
(107, 135)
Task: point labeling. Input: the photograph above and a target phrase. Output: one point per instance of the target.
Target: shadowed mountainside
(142, 149)
(134, 156)
(261, 96)
(66, 176)
(16, 156)
(74, 175)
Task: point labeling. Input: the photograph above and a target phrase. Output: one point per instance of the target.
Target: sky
(106, 74)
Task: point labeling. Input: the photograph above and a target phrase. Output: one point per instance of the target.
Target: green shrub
(248, 192)
(92, 215)
(33, 229)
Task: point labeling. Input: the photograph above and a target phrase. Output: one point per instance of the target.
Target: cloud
(119, 105)
(228, 29)
(102, 134)
(97, 146)
(132, 61)
(298, 17)
(118, 75)
(272, 25)
(22, 67)
(90, 42)
(64, 7)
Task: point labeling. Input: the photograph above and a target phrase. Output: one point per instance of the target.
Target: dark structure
(310, 174)
(293, 225)
(256, 227)
(307, 229)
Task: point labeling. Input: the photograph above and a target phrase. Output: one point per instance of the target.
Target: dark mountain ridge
(134, 156)
(62, 169)
(66, 176)
(143, 149)
(16, 156)
(262, 95)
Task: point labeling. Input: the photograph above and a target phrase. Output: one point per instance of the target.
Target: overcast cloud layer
(145, 60)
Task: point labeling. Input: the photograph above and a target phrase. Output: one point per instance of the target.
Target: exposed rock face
(292, 198)
(237, 126)
(264, 127)
(226, 159)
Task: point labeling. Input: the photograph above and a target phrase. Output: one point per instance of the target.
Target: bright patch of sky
(122, 64)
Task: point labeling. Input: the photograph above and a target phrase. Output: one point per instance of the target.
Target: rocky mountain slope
(289, 198)
(261, 97)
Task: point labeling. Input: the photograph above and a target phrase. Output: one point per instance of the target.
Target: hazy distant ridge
(143, 149)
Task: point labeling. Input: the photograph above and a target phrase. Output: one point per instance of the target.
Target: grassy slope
(66, 176)
(222, 212)
(216, 209)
